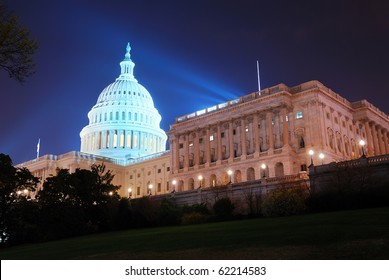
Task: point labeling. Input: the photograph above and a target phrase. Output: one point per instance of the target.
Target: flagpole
(259, 81)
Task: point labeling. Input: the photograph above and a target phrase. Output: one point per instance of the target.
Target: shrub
(284, 202)
(169, 214)
(193, 218)
(223, 208)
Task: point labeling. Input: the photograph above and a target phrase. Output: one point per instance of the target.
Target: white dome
(124, 122)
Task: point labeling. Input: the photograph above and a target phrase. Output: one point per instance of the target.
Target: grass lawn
(357, 234)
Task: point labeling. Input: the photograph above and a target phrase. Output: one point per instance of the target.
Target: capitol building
(275, 132)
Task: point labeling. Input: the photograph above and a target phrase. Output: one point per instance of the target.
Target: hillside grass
(357, 234)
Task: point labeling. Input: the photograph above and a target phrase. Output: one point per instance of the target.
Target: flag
(38, 147)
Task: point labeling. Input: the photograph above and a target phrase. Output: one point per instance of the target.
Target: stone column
(386, 143)
(375, 140)
(111, 135)
(270, 131)
(256, 134)
(231, 140)
(186, 154)
(285, 133)
(380, 141)
(219, 142)
(176, 147)
(243, 137)
(196, 149)
(369, 141)
(208, 146)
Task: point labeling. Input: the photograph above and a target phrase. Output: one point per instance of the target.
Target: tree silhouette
(16, 184)
(16, 48)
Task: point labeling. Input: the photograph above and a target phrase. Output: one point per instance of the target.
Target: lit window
(287, 118)
(247, 129)
(299, 115)
(190, 143)
(211, 138)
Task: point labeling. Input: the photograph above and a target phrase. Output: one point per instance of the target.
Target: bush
(169, 214)
(223, 208)
(193, 218)
(197, 208)
(284, 202)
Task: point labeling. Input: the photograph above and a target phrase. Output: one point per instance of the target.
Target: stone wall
(352, 175)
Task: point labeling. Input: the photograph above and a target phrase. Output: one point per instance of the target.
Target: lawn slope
(356, 234)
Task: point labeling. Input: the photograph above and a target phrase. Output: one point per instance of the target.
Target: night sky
(188, 54)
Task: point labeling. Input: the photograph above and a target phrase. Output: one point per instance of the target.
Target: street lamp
(321, 156)
(150, 188)
(200, 179)
(129, 193)
(362, 143)
(229, 172)
(110, 193)
(174, 182)
(263, 166)
(311, 152)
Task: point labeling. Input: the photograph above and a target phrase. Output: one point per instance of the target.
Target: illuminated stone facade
(269, 134)
(264, 136)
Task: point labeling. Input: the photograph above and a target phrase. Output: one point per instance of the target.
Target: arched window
(110, 116)
(129, 116)
(238, 176)
(250, 174)
(279, 169)
(136, 117)
(117, 115)
(213, 180)
(123, 116)
(191, 183)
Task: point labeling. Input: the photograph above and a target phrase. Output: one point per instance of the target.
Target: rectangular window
(130, 176)
(299, 115)
(167, 186)
(168, 168)
(211, 138)
(138, 191)
(328, 115)
(181, 145)
(138, 175)
(159, 187)
(222, 135)
(234, 132)
(200, 140)
(190, 143)
(303, 167)
(287, 118)
(159, 170)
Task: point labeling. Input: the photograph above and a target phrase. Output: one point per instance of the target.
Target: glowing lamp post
(311, 152)
(200, 179)
(362, 143)
(174, 182)
(110, 193)
(229, 172)
(263, 166)
(150, 188)
(129, 193)
(321, 156)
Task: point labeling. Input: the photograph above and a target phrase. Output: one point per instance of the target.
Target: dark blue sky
(188, 54)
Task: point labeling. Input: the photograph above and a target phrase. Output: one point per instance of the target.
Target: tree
(88, 198)
(16, 48)
(15, 186)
